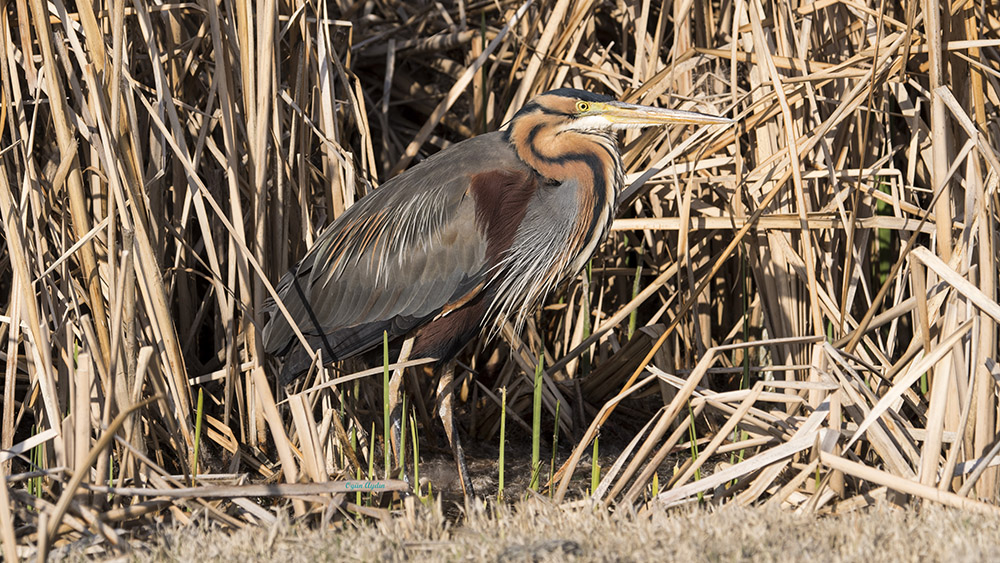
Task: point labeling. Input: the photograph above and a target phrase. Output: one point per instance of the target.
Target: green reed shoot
(402, 440)
(385, 401)
(371, 461)
(636, 288)
(197, 435)
(693, 435)
(35, 483)
(536, 428)
(595, 469)
(416, 453)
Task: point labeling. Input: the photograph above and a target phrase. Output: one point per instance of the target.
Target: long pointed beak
(621, 113)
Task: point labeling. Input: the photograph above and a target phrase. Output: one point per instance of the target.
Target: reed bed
(799, 311)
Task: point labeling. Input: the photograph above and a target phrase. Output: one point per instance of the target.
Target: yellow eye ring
(582, 107)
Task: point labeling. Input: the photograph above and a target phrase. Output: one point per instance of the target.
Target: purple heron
(479, 231)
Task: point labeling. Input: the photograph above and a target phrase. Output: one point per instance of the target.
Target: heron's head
(568, 109)
(569, 133)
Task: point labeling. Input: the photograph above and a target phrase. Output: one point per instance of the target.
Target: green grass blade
(595, 469)
(197, 435)
(536, 427)
(402, 440)
(385, 401)
(416, 453)
(636, 288)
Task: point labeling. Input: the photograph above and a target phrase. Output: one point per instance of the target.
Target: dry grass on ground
(539, 531)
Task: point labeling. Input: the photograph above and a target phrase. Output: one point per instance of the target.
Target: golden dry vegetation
(535, 531)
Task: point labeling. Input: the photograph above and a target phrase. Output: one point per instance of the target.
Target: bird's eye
(582, 107)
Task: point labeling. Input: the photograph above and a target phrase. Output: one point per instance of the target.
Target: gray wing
(398, 258)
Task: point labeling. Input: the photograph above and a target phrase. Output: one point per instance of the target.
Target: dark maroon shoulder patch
(501, 198)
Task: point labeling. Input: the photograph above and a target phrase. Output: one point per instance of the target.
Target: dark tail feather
(343, 344)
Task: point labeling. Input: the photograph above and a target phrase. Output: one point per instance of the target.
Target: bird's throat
(587, 161)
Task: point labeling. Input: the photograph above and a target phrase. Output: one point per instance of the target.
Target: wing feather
(394, 260)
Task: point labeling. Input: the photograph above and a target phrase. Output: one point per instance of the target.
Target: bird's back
(424, 254)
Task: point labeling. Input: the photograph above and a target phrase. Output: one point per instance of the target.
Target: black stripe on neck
(600, 180)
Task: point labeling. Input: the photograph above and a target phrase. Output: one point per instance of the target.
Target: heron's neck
(590, 160)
